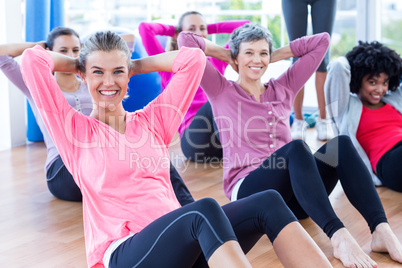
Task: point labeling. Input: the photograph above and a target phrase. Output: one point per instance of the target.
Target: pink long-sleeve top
(124, 178)
(149, 31)
(250, 131)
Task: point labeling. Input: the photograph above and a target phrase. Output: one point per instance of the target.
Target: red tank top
(379, 130)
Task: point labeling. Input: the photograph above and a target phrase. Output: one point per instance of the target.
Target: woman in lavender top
(258, 153)
(65, 41)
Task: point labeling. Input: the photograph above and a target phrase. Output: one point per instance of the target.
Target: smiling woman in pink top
(67, 42)
(199, 141)
(258, 153)
(121, 163)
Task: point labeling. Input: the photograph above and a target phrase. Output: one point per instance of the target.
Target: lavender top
(79, 100)
(250, 131)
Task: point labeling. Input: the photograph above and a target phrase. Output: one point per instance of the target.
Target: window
(87, 16)
(391, 24)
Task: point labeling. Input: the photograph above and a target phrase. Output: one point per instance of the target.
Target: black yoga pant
(322, 17)
(188, 236)
(305, 180)
(181, 191)
(62, 185)
(389, 168)
(200, 141)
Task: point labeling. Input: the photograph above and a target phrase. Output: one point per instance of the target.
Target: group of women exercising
(144, 215)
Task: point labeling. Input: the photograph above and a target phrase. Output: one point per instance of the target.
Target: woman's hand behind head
(231, 61)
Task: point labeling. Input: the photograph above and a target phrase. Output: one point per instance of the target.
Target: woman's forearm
(16, 49)
(282, 53)
(217, 52)
(157, 63)
(210, 49)
(64, 63)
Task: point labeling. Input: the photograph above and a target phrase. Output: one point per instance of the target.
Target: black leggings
(200, 141)
(322, 17)
(305, 180)
(181, 191)
(389, 168)
(179, 238)
(62, 185)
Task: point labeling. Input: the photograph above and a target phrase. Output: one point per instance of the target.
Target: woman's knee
(343, 140)
(206, 206)
(65, 189)
(299, 146)
(269, 200)
(341, 143)
(272, 213)
(272, 197)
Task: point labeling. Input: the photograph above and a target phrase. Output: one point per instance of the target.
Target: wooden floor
(38, 230)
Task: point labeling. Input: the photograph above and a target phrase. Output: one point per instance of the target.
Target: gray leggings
(322, 17)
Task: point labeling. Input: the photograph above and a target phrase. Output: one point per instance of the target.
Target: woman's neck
(253, 87)
(115, 117)
(373, 106)
(67, 82)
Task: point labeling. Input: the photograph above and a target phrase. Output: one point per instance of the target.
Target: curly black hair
(373, 58)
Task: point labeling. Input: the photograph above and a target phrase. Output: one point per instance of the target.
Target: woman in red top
(364, 85)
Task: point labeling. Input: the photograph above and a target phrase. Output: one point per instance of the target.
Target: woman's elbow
(186, 39)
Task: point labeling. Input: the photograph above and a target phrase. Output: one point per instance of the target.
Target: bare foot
(384, 240)
(349, 252)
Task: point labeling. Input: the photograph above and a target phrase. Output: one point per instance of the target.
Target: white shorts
(235, 191)
(115, 244)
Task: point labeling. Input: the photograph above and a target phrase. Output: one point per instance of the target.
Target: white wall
(12, 102)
